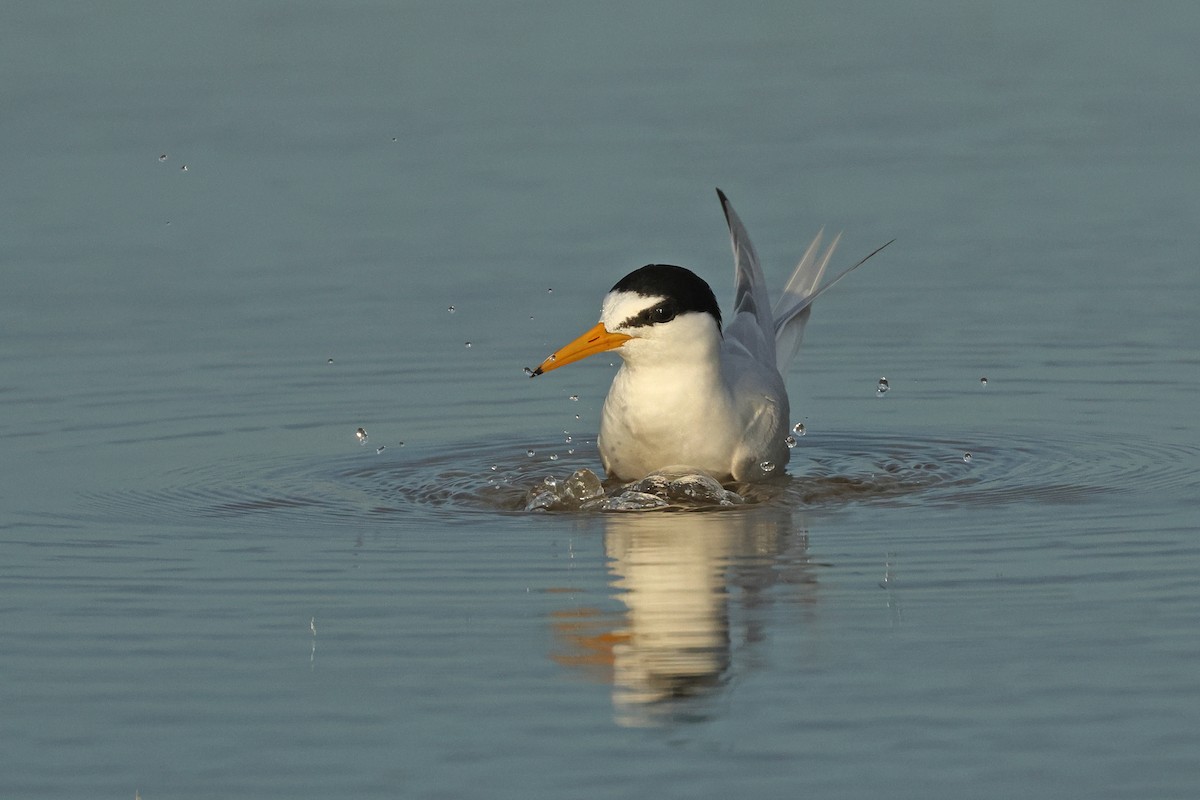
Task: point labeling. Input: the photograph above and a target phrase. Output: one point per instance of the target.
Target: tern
(692, 392)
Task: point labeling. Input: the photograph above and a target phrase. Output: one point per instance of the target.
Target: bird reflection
(692, 587)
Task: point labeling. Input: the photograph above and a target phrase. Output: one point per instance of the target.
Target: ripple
(826, 471)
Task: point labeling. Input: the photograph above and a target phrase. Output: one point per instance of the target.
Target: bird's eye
(662, 313)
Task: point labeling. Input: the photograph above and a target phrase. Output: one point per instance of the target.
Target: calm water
(211, 588)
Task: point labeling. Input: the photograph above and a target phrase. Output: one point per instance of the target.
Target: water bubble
(568, 439)
(380, 449)
(399, 444)
(571, 451)
(767, 466)
(468, 344)
(983, 381)
(528, 372)
(162, 157)
(549, 291)
(361, 435)
(799, 429)
(790, 442)
(554, 456)
(529, 453)
(883, 386)
(574, 398)
(967, 457)
(183, 168)
(451, 309)
(576, 416)
(330, 361)
(553, 357)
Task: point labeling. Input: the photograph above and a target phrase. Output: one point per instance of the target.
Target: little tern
(691, 392)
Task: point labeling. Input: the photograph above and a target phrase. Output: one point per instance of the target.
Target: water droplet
(468, 344)
(451, 309)
(162, 157)
(553, 357)
(529, 453)
(330, 361)
(571, 451)
(554, 456)
(183, 168)
(549, 291)
(568, 439)
(799, 429)
(790, 442)
(967, 457)
(983, 381)
(767, 466)
(574, 398)
(528, 372)
(495, 467)
(399, 444)
(395, 139)
(380, 449)
(883, 386)
(576, 416)
(361, 435)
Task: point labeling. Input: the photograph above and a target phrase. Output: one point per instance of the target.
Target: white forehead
(620, 306)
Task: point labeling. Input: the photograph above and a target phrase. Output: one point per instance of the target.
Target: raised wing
(752, 324)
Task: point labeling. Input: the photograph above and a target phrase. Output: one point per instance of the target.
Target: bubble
(183, 168)
(549, 291)
(767, 466)
(554, 456)
(162, 157)
(553, 357)
(799, 429)
(967, 457)
(529, 453)
(399, 444)
(330, 361)
(495, 467)
(576, 416)
(790, 442)
(451, 309)
(883, 386)
(568, 439)
(361, 435)
(528, 372)
(468, 344)
(571, 451)
(574, 398)
(983, 381)
(380, 449)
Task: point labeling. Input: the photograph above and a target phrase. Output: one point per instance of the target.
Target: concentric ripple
(826, 471)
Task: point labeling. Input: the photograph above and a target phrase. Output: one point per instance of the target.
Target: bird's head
(656, 312)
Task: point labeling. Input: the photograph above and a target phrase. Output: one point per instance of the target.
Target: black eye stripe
(665, 311)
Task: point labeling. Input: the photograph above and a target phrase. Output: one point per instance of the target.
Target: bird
(693, 391)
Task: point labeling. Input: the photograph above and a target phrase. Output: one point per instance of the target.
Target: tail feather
(792, 310)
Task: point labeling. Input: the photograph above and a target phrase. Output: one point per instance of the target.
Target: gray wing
(752, 325)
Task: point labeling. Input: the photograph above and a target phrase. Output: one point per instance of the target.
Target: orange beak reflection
(596, 340)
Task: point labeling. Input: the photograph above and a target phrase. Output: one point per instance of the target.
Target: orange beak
(596, 340)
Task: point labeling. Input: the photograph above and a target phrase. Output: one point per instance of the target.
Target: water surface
(211, 587)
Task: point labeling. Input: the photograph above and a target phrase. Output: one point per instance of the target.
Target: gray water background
(210, 588)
